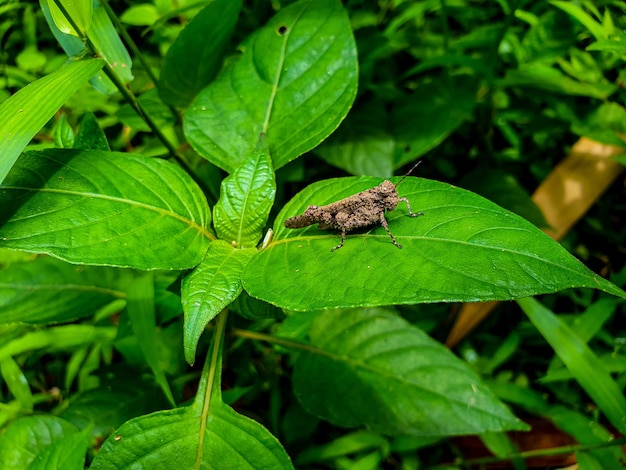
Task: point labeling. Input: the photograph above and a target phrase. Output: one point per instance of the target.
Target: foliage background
(491, 94)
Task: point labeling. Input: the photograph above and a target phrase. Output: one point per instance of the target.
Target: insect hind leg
(343, 239)
(383, 222)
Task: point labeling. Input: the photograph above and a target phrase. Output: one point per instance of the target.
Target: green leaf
(57, 338)
(38, 101)
(580, 360)
(48, 290)
(209, 288)
(105, 39)
(552, 80)
(67, 453)
(246, 198)
(362, 145)
(103, 208)
(63, 133)
(142, 313)
(463, 249)
(17, 383)
(90, 135)
(422, 120)
(80, 12)
(207, 434)
(123, 393)
(504, 189)
(193, 60)
(370, 367)
(143, 14)
(26, 437)
(576, 11)
(294, 81)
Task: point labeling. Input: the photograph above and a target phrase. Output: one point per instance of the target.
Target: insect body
(360, 210)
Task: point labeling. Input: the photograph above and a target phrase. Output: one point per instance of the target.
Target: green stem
(126, 93)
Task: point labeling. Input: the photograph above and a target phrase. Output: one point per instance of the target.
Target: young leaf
(80, 12)
(294, 81)
(39, 101)
(48, 290)
(246, 198)
(371, 367)
(90, 135)
(207, 434)
(463, 249)
(209, 288)
(194, 58)
(101, 208)
(107, 42)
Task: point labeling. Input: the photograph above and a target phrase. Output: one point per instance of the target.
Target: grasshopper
(359, 210)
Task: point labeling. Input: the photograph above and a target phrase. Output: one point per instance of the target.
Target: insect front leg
(409, 207)
(383, 222)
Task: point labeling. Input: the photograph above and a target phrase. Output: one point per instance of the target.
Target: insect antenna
(408, 173)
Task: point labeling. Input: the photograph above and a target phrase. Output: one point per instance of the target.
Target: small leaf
(48, 290)
(80, 11)
(463, 249)
(246, 197)
(375, 369)
(39, 101)
(209, 288)
(107, 42)
(294, 81)
(103, 208)
(90, 135)
(207, 434)
(194, 58)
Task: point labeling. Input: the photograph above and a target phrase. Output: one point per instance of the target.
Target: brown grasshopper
(359, 210)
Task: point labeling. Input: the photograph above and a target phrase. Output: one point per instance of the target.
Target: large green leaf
(100, 208)
(464, 248)
(209, 288)
(371, 367)
(294, 81)
(194, 58)
(25, 113)
(246, 198)
(207, 434)
(49, 290)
